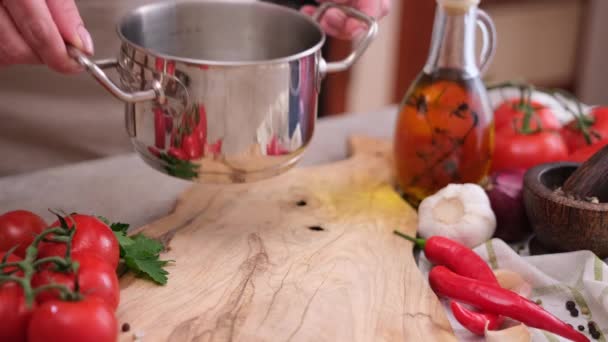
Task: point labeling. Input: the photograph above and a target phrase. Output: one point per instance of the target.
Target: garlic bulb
(461, 212)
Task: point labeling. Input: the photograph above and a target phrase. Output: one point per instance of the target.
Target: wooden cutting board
(306, 256)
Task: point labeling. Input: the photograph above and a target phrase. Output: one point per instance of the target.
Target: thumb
(70, 25)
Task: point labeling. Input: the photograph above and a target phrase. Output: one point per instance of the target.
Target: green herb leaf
(140, 253)
(142, 256)
(149, 266)
(144, 244)
(123, 240)
(120, 227)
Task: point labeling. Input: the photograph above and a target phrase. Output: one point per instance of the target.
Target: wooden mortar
(567, 220)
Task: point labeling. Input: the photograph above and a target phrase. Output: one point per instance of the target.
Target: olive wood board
(309, 255)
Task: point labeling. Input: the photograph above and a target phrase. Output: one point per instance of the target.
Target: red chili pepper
(474, 321)
(499, 301)
(462, 260)
(159, 128)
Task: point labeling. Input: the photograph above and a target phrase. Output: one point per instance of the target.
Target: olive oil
(445, 128)
(444, 134)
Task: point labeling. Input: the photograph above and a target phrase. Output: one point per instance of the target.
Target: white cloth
(555, 278)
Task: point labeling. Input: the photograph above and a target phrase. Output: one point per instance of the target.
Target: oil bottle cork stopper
(458, 5)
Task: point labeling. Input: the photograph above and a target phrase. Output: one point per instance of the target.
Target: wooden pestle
(591, 178)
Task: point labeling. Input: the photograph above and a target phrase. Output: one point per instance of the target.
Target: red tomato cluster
(528, 133)
(87, 317)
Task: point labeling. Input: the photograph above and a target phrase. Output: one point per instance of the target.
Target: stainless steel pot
(221, 90)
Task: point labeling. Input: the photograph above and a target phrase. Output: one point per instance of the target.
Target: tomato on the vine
(90, 319)
(95, 278)
(11, 258)
(92, 237)
(512, 112)
(19, 228)
(582, 154)
(14, 314)
(523, 151)
(595, 124)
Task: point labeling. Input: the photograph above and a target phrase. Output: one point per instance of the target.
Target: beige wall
(373, 77)
(538, 41)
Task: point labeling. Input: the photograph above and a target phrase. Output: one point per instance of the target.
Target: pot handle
(95, 68)
(372, 31)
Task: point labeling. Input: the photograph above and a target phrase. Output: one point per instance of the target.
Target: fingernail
(85, 38)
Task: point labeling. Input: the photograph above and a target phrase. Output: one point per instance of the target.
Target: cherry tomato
(92, 237)
(511, 112)
(597, 126)
(582, 154)
(11, 258)
(19, 227)
(95, 278)
(514, 150)
(90, 319)
(191, 145)
(14, 314)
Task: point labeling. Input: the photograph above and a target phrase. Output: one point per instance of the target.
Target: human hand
(36, 31)
(338, 24)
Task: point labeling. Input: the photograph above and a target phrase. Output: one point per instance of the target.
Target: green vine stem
(29, 263)
(584, 122)
(61, 262)
(66, 293)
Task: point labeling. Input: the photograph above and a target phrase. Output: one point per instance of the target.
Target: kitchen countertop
(123, 188)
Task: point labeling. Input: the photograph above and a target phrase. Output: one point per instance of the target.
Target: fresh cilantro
(140, 253)
(120, 227)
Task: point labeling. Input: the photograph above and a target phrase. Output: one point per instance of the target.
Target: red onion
(505, 191)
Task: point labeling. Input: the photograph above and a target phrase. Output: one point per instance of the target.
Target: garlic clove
(513, 281)
(517, 333)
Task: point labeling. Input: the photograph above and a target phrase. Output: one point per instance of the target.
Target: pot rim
(194, 61)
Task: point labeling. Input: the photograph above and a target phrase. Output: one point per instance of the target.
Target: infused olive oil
(445, 128)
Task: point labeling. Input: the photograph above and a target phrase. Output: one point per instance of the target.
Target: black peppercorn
(581, 327)
(570, 305)
(574, 313)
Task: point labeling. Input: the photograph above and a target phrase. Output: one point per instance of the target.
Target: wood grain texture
(591, 178)
(306, 256)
